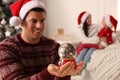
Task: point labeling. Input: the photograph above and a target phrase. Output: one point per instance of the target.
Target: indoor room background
(63, 14)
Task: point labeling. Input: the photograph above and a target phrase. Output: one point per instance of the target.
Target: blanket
(105, 63)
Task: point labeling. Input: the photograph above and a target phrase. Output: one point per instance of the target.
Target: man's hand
(68, 68)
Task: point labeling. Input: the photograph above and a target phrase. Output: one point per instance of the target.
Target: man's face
(33, 25)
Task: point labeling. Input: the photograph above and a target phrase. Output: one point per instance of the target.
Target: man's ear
(22, 23)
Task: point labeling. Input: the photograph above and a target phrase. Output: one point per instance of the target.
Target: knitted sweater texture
(22, 61)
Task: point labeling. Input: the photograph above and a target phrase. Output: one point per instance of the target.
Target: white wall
(118, 8)
(64, 13)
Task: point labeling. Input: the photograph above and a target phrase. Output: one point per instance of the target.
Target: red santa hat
(20, 8)
(82, 17)
(111, 22)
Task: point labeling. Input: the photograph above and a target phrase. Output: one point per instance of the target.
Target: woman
(88, 33)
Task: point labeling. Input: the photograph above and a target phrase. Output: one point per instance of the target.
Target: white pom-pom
(15, 21)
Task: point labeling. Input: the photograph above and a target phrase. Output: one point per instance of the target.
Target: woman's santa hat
(20, 8)
(82, 17)
(111, 22)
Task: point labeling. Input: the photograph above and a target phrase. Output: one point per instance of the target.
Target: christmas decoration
(6, 30)
(4, 9)
(67, 52)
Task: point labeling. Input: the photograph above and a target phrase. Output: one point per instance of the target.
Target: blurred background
(62, 16)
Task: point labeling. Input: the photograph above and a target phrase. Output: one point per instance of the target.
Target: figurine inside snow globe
(67, 52)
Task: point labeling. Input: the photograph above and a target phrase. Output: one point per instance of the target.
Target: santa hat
(111, 22)
(82, 17)
(20, 8)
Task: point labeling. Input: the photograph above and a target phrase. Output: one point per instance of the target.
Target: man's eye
(33, 21)
(43, 20)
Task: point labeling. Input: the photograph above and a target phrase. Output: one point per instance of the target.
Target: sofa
(104, 64)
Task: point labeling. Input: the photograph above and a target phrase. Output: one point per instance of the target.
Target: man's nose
(39, 25)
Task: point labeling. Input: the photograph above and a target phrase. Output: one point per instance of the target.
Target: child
(106, 32)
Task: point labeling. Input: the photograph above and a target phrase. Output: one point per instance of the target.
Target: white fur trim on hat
(29, 5)
(19, 15)
(84, 17)
(108, 22)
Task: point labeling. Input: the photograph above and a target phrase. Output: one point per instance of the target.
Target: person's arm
(12, 69)
(93, 39)
(103, 42)
(55, 68)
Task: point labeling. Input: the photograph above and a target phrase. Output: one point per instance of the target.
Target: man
(30, 55)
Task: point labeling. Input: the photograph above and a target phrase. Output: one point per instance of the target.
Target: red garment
(107, 33)
(86, 45)
(23, 61)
